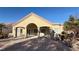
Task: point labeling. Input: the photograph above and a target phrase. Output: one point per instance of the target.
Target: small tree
(72, 23)
(1, 26)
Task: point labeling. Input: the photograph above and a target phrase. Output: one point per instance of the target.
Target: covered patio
(34, 30)
(31, 30)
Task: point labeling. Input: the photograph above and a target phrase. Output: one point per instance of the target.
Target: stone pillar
(18, 32)
(38, 31)
(14, 31)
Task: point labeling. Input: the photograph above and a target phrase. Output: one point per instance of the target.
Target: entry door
(32, 32)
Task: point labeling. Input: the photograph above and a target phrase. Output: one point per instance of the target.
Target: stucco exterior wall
(57, 28)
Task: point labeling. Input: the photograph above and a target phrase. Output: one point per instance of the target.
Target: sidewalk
(14, 41)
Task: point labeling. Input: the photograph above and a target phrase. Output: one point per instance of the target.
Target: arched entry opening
(32, 30)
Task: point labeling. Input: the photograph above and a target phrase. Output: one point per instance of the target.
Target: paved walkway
(6, 43)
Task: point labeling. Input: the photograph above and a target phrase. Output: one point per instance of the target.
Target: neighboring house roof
(29, 16)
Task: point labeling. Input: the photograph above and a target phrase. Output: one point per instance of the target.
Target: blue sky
(52, 14)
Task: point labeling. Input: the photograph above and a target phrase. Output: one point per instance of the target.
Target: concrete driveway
(36, 44)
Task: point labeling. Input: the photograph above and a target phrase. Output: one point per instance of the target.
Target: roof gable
(30, 14)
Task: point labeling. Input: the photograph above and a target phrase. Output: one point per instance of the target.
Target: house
(32, 25)
(5, 30)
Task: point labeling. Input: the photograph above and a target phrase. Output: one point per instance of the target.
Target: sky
(52, 14)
